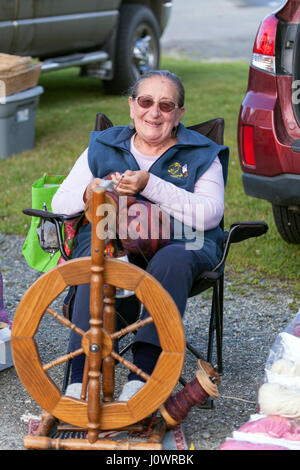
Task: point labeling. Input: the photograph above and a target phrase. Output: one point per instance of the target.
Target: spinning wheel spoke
(134, 326)
(62, 359)
(65, 321)
(130, 365)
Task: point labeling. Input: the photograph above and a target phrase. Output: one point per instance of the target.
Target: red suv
(269, 119)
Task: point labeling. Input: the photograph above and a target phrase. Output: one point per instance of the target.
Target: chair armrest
(57, 220)
(240, 231)
(50, 215)
(208, 275)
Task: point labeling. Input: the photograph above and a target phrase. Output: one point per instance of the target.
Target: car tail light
(249, 157)
(263, 56)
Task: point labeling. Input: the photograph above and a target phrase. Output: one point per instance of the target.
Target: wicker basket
(13, 63)
(17, 74)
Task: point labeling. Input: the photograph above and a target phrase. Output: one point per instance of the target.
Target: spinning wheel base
(53, 434)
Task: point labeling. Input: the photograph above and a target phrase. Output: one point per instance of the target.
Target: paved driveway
(220, 29)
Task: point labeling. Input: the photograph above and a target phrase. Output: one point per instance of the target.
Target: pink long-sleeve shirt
(208, 195)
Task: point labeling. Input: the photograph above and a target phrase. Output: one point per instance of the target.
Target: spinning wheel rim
(41, 387)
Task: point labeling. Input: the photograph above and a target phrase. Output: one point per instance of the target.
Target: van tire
(137, 49)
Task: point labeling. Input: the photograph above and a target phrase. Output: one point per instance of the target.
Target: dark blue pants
(176, 269)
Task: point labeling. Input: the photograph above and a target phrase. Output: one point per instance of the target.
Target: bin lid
(22, 95)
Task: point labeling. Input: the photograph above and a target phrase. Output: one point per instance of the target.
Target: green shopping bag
(42, 191)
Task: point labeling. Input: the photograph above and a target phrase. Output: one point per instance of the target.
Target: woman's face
(153, 125)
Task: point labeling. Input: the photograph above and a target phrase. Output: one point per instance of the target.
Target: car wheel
(287, 222)
(137, 48)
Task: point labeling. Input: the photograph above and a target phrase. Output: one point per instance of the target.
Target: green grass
(66, 114)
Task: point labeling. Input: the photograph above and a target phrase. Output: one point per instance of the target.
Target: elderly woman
(159, 160)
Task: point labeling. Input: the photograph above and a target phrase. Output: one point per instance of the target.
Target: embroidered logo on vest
(177, 170)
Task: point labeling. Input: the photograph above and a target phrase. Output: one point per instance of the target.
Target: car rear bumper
(281, 189)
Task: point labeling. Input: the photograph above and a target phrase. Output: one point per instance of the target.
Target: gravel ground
(251, 324)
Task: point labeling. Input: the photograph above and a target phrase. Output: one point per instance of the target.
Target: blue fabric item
(145, 357)
(176, 269)
(128, 308)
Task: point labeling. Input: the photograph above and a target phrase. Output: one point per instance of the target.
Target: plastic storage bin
(5, 349)
(17, 121)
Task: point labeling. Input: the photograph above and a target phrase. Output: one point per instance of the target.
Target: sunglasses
(165, 106)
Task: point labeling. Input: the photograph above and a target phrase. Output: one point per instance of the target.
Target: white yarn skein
(297, 368)
(285, 367)
(275, 399)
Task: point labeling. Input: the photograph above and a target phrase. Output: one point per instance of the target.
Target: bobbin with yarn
(205, 385)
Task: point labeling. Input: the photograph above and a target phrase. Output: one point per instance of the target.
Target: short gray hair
(160, 73)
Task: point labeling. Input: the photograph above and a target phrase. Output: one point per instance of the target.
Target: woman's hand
(90, 187)
(131, 182)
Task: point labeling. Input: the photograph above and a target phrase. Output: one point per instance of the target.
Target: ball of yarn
(275, 399)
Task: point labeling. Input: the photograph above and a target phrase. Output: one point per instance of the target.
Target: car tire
(137, 47)
(288, 223)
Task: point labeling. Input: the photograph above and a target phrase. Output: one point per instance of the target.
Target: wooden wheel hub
(106, 344)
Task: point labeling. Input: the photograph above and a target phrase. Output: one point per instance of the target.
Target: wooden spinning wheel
(100, 411)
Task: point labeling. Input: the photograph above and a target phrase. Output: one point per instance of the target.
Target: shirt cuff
(149, 191)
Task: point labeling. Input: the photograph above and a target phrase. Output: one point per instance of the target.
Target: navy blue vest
(182, 165)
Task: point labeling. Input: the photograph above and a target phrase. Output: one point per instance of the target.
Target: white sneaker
(130, 389)
(74, 390)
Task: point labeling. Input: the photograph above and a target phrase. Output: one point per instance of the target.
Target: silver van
(113, 40)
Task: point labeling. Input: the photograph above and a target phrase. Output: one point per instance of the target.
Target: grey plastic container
(17, 121)
(5, 349)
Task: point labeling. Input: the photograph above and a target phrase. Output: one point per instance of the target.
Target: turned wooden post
(108, 363)
(96, 302)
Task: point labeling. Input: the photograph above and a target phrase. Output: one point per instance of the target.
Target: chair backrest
(102, 122)
(213, 129)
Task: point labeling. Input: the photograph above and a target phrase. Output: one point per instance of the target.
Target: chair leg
(212, 327)
(67, 313)
(219, 327)
(216, 324)
(182, 381)
(194, 351)
(66, 375)
(221, 300)
(126, 348)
